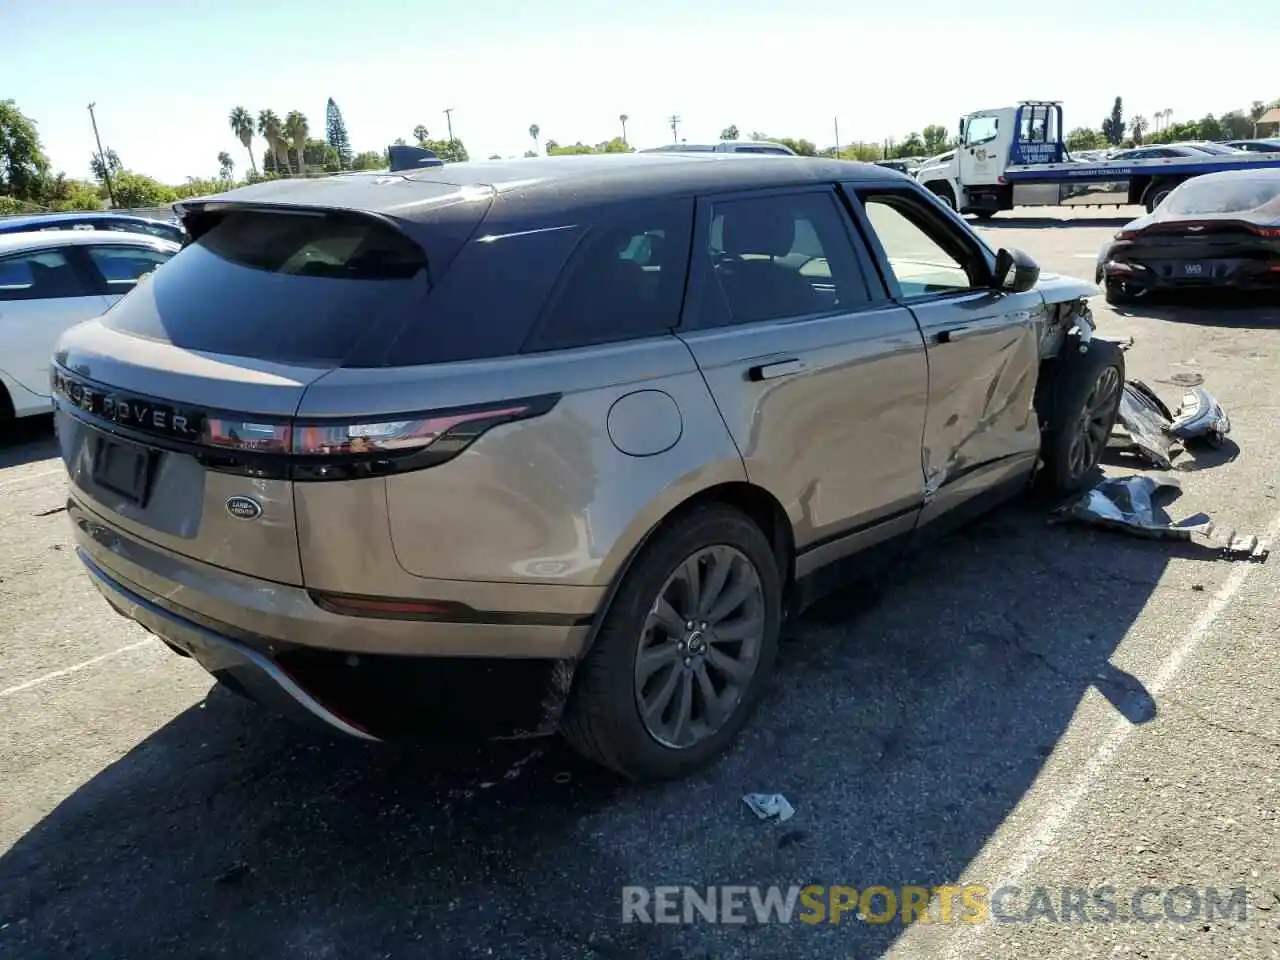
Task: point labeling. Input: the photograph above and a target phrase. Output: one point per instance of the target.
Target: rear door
(42, 293)
(820, 378)
(982, 343)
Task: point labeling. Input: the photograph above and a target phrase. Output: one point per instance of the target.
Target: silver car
(557, 444)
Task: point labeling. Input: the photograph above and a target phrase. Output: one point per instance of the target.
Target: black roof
(542, 182)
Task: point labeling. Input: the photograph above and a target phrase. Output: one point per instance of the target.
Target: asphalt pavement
(1029, 708)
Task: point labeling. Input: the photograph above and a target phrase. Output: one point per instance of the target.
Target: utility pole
(448, 116)
(102, 157)
(837, 122)
(675, 124)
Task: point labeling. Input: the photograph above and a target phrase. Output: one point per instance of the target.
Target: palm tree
(242, 127)
(296, 130)
(226, 166)
(534, 130)
(272, 131)
(420, 134)
(623, 118)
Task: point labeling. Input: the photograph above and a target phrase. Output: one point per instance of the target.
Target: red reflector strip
(388, 607)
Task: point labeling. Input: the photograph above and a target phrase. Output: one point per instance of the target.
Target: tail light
(1128, 234)
(333, 449)
(1270, 232)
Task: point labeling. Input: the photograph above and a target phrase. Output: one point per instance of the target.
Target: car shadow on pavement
(1209, 309)
(909, 716)
(27, 441)
(1001, 222)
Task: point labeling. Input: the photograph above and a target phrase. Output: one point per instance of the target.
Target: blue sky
(165, 73)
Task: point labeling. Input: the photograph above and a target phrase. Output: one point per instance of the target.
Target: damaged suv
(557, 444)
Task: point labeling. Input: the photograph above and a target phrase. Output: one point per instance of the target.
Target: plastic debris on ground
(1149, 428)
(1128, 504)
(768, 806)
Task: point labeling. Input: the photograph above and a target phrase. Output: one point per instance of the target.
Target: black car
(1215, 230)
(123, 222)
(1255, 146)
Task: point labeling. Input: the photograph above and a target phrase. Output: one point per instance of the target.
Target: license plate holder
(124, 468)
(1195, 270)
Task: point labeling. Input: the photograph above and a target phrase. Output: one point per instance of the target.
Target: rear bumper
(376, 697)
(1217, 274)
(250, 608)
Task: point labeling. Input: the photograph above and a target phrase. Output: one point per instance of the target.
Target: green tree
(803, 147)
(616, 145)
(272, 130)
(1113, 125)
(555, 150)
(913, 146)
(335, 134)
(368, 160)
(550, 147)
(242, 126)
(1236, 126)
(136, 190)
(622, 118)
(419, 134)
(1085, 138)
(730, 132)
(320, 154)
(936, 139)
(1139, 127)
(226, 166)
(450, 151)
(1208, 128)
(1256, 110)
(102, 165)
(534, 130)
(64, 194)
(296, 132)
(863, 152)
(23, 164)
(530, 153)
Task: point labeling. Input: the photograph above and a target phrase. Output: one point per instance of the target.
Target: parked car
(1208, 146)
(726, 146)
(121, 222)
(1255, 146)
(1216, 230)
(1157, 152)
(50, 281)
(327, 456)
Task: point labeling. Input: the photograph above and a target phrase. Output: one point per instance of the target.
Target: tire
(603, 719)
(1157, 192)
(943, 192)
(1118, 295)
(1086, 401)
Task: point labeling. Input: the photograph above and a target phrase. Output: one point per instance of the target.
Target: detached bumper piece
(1128, 504)
(1149, 428)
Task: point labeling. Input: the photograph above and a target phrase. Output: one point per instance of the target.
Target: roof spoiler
(404, 157)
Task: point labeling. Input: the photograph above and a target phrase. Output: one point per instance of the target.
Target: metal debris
(767, 806)
(1127, 504)
(1148, 427)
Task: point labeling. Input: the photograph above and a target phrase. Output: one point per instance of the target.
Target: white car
(51, 280)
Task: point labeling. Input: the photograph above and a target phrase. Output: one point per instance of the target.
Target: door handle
(951, 335)
(771, 371)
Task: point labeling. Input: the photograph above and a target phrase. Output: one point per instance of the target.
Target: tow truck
(1015, 157)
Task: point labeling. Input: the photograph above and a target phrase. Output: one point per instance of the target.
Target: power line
(448, 116)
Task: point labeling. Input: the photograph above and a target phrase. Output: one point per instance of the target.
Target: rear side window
(1203, 195)
(279, 286)
(121, 266)
(40, 275)
(625, 280)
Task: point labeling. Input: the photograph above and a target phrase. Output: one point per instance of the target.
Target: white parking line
(67, 671)
(29, 476)
(1044, 836)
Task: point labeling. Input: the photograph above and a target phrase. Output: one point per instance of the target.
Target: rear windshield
(1204, 195)
(278, 286)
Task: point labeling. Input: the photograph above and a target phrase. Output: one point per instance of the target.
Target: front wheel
(1086, 402)
(684, 651)
(1156, 194)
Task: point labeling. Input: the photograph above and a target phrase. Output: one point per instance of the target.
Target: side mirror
(1015, 271)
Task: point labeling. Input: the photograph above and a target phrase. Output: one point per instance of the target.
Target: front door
(980, 162)
(42, 293)
(821, 381)
(982, 344)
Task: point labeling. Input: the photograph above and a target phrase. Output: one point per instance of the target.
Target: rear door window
(285, 287)
(120, 266)
(40, 275)
(625, 280)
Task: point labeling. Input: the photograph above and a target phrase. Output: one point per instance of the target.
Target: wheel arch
(754, 501)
